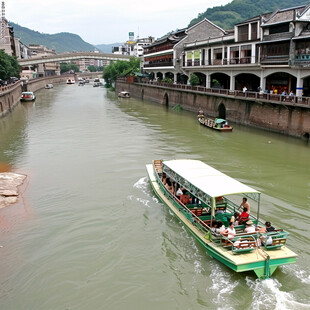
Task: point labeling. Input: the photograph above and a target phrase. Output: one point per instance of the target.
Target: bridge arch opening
(306, 136)
(220, 80)
(222, 111)
(1, 106)
(251, 81)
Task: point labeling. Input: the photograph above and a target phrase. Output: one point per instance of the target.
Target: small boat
(27, 96)
(218, 124)
(209, 197)
(81, 83)
(70, 81)
(49, 86)
(98, 84)
(124, 94)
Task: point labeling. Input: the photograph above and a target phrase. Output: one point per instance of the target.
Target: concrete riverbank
(288, 119)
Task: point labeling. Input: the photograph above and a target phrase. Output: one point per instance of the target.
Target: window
(253, 31)
(279, 29)
(243, 33)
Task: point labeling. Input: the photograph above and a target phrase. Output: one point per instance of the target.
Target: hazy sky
(103, 21)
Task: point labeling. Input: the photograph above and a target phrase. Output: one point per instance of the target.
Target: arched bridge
(71, 56)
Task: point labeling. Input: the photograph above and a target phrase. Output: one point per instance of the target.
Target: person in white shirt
(249, 227)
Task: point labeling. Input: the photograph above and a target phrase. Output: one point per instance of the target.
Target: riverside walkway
(248, 95)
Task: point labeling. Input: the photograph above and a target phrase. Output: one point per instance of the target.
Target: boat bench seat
(243, 246)
(276, 244)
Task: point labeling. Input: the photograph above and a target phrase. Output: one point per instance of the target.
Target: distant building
(7, 42)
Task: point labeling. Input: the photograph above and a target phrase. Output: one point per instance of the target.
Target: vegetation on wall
(227, 15)
(120, 68)
(9, 66)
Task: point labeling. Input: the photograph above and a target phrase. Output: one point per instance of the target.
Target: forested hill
(61, 42)
(227, 15)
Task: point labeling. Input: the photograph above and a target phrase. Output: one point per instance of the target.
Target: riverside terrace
(248, 95)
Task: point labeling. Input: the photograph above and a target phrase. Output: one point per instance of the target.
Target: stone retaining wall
(281, 118)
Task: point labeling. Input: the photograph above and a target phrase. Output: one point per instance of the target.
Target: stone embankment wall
(276, 117)
(10, 95)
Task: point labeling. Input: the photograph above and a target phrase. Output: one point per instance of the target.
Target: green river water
(88, 233)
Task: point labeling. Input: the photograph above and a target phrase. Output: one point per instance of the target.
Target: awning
(206, 178)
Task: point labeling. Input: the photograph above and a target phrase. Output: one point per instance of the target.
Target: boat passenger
(249, 227)
(235, 219)
(164, 178)
(245, 203)
(169, 186)
(244, 216)
(269, 228)
(230, 231)
(179, 192)
(220, 227)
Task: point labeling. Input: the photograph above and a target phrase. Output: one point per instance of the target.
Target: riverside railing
(249, 95)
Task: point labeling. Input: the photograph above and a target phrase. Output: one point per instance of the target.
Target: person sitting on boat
(249, 227)
(244, 216)
(164, 178)
(235, 218)
(245, 204)
(220, 227)
(230, 231)
(169, 186)
(179, 192)
(269, 228)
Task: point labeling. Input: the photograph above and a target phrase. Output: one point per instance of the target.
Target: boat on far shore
(27, 96)
(124, 94)
(70, 81)
(49, 86)
(218, 124)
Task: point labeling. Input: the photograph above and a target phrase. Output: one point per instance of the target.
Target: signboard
(131, 36)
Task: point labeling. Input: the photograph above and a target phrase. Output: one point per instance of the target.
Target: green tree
(64, 67)
(194, 80)
(8, 66)
(120, 68)
(92, 68)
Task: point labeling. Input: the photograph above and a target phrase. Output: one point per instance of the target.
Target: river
(88, 233)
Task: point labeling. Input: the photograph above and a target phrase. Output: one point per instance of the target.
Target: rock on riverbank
(9, 183)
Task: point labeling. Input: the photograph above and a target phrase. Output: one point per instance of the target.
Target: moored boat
(27, 96)
(210, 199)
(124, 94)
(49, 86)
(218, 124)
(70, 81)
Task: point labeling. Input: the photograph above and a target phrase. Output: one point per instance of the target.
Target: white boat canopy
(205, 178)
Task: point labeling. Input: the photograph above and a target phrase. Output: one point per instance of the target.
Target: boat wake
(221, 286)
(267, 295)
(302, 275)
(143, 186)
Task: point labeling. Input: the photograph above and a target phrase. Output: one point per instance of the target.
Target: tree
(92, 68)
(120, 68)
(9, 66)
(194, 80)
(64, 67)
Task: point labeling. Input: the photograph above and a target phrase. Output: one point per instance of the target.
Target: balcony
(159, 64)
(275, 60)
(278, 36)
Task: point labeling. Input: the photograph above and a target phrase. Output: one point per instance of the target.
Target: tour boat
(210, 196)
(218, 124)
(124, 94)
(70, 81)
(28, 96)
